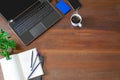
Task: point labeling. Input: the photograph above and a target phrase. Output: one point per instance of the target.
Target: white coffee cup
(76, 20)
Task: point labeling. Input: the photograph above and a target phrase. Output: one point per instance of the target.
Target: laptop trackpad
(38, 29)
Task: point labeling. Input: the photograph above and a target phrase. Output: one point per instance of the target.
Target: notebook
(29, 18)
(19, 66)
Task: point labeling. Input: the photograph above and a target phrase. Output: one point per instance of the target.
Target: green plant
(6, 44)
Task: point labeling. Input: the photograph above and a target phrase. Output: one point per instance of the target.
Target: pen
(31, 59)
(34, 70)
(41, 61)
(35, 61)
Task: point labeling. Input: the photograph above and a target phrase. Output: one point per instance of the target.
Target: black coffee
(75, 19)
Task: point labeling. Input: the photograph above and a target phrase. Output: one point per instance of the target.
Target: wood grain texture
(89, 53)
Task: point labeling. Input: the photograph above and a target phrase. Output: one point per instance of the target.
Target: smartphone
(75, 4)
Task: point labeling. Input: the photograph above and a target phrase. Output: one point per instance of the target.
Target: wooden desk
(89, 53)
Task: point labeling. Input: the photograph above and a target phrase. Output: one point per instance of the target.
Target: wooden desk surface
(89, 53)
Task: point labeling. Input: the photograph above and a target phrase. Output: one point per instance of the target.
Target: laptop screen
(11, 8)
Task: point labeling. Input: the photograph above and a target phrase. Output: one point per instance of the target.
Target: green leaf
(6, 43)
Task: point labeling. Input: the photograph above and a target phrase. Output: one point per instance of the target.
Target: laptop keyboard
(32, 17)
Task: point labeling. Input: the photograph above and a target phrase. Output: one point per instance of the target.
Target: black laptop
(29, 18)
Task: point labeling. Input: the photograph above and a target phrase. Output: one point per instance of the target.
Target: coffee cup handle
(80, 25)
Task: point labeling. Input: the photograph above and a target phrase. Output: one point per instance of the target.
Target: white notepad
(19, 67)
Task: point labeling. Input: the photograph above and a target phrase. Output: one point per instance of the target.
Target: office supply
(39, 77)
(75, 4)
(63, 7)
(42, 59)
(18, 68)
(31, 59)
(34, 70)
(37, 55)
(29, 18)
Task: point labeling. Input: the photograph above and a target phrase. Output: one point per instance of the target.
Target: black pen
(31, 59)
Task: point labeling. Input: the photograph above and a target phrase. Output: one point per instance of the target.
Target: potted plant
(6, 44)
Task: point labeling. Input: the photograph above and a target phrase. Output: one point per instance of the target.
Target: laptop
(29, 18)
